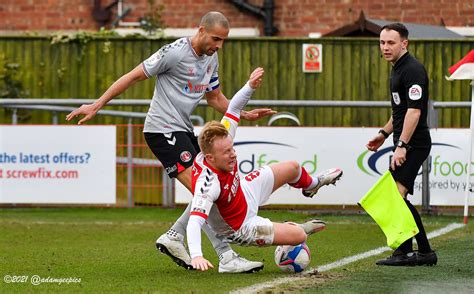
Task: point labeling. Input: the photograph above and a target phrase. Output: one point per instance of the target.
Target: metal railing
(289, 102)
(168, 191)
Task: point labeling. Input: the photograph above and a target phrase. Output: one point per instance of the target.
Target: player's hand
(88, 110)
(256, 76)
(375, 142)
(201, 264)
(399, 157)
(257, 113)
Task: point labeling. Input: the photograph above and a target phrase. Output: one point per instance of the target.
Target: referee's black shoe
(399, 259)
(428, 259)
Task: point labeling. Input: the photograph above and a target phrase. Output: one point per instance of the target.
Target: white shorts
(257, 187)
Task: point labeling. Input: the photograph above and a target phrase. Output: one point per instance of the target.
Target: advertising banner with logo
(318, 149)
(57, 164)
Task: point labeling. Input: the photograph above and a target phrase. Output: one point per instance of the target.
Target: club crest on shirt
(185, 156)
(396, 98)
(415, 92)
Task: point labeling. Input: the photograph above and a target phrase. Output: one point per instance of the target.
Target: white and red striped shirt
(210, 186)
(222, 188)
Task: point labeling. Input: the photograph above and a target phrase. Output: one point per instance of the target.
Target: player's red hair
(208, 135)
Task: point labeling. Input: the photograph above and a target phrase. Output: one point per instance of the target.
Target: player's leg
(296, 176)
(288, 234)
(258, 186)
(404, 177)
(176, 151)
(425, 254)
(260, 231)
(405, 182)
(290, 172)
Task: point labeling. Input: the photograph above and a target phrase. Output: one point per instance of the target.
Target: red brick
(376, 6)
(292, 17)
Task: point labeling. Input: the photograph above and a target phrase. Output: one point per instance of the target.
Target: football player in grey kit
(186, 71)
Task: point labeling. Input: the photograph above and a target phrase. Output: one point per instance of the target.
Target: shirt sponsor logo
(171, 169)
(396, 98)
(199, 88)
(185, 156)
(415, 92)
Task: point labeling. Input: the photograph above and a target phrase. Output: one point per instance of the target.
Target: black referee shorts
(407, 172)
(176, 150)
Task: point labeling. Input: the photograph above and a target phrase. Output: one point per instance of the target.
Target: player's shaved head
(212, 19)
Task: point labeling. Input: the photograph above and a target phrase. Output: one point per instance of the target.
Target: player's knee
(299, 236)
(293, 167)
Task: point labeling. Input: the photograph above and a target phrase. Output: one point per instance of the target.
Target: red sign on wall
(312, 57)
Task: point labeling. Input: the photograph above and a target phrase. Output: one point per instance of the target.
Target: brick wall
(292, 17)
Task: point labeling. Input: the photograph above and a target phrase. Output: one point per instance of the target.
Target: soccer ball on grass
(293, 259)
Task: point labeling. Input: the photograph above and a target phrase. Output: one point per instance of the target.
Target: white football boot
(231, 262)
(325, 178)
(173, 246)
(313, 226)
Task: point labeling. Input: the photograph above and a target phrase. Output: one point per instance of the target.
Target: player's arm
(160, 62)
(416, 92)
(239, 101)
(412, 117)
(379, 139)
(123, 83)
(216, 99)
(409, 125)
(206, 192)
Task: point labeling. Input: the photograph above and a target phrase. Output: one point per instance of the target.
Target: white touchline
(259, 287)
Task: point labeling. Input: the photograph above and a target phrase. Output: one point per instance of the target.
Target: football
(293, 259)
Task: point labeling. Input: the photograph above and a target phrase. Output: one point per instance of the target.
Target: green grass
(453, 274)
(112, 250)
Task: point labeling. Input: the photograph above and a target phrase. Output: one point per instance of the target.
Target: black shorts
(407, 172)
(176, 150)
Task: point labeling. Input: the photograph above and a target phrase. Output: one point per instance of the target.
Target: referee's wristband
(384, 133)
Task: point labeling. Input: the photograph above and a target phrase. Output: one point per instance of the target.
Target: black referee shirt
(409, 89)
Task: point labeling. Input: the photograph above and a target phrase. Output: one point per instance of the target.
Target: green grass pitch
(113, 251)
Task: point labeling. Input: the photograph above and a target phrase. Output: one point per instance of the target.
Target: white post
(468, 177)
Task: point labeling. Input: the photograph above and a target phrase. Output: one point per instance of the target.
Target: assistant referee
(411, 136)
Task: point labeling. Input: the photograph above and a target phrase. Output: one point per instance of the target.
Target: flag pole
(467, 191)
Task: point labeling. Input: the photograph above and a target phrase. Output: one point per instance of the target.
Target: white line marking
(260, 287)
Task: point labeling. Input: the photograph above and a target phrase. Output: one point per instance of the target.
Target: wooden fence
(352, 70)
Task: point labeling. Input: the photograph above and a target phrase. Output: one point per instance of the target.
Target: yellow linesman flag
(386, 206)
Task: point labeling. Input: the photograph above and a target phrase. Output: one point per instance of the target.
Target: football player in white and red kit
(215, 180)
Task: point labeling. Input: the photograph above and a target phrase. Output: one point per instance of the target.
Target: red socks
(304, 181)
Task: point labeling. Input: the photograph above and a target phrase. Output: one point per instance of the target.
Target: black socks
(421, 239)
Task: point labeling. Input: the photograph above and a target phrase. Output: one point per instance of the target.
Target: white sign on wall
(318, 149)
(57, 164)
